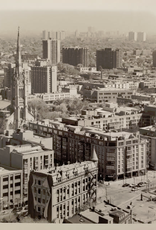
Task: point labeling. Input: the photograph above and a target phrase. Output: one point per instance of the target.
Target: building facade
(44, 79)
(51, 50)
(106, 94)
(120, 153)
(154, 58)
(75, 56)
(108, 58)
(132, 36)
(141, 36)
(11, 187)
(60, 192)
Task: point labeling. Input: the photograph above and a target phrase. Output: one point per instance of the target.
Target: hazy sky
(134, 5)
(37, 15)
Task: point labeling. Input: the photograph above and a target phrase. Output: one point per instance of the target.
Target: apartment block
(132, 36)
(154, 58)
(51, 50)
(11, 187)
(108, 58)
(120, 153)
(44, 79)
(23, 151)
(141, 36)
(75, 56)
(60, 192)
(148, 134)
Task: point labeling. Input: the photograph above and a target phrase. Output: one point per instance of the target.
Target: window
(17, 177)
(18, 192)
(18, 184)
(39, 182)
(5, 179)
(5, 194)
(39, 191)
(39, 209)
(5, 186)
(39, 200)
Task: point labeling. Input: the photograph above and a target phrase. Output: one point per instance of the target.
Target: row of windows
(11, 178)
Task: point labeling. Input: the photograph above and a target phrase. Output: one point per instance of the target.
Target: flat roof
(4, 104)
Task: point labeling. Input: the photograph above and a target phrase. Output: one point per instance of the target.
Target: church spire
(17, 79)
(18, 54)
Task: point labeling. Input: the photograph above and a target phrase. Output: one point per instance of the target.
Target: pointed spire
(94, 157)
(18, 54)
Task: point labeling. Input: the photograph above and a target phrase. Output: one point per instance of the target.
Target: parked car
(125, 185)
(132, 185)
(140, 184)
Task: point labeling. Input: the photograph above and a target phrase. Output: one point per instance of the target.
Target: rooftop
(4, 104)
(5, 170)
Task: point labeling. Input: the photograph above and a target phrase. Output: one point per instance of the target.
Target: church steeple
(18, 53)
(17, 79)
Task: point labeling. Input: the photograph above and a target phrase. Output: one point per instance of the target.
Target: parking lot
(143, 211)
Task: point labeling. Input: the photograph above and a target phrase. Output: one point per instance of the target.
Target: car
(133, 189)
(132, 185)
(125, 185)
(140, 184)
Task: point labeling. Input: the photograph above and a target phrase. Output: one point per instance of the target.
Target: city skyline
(115, 15)
(32, 21)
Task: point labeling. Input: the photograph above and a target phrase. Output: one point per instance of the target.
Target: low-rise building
(106, 94)
(104, 213)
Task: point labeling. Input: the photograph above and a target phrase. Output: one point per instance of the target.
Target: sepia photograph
(77, 112)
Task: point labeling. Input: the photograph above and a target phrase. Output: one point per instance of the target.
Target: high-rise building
(75, 56)
(141, 36)
(44, 79)
(154, 58)
(45, 35)
(108, 58)
(132, 36)
(60, 192)
(51, 50)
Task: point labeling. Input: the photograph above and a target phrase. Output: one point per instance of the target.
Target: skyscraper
(51, 50)
(154, 58)
(44, 79)
(108, 58)
(75, 56)
(141, 36)
(132, 36)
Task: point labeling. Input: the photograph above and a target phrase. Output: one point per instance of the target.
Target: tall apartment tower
(75, 56)
(132, 36)
(44, 79)
(51, 50)
(141, 36)
(108, 58)
(154, 58)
